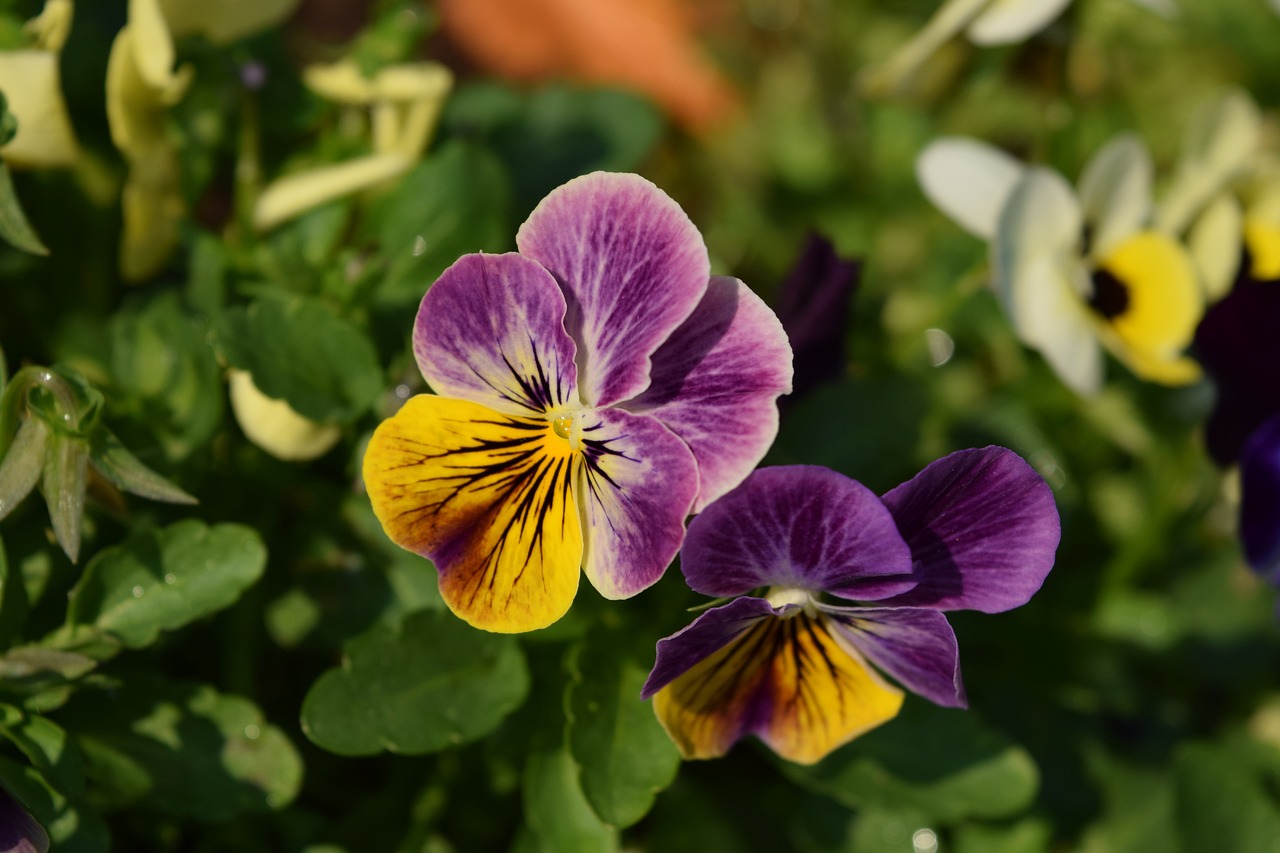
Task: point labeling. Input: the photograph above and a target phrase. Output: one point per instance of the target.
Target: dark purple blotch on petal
(1238, 344)
(1260, 499)
(703, 637)
(799, 526)
(19, 832)
(813, 305)
(914, 645)
(982, 527)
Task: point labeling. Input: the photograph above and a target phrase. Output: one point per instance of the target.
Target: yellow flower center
(562, 425)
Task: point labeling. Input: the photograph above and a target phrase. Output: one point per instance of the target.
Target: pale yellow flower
(274, 426)
(31, 82)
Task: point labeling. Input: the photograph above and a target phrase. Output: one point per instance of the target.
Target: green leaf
(624, 757)
(298, 350)
(66, 467)
(162, 579)
(183, 748)
(22, 463)
(1222, 800)
(73, 827)
(455, 202)
(944, 763)
(14, 227)
(46, 746)
(113, 460)
(433, 683)
(556, 812)
(8, 123)
(13, 600)
(1026, 836)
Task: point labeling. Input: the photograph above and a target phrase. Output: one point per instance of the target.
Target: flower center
(780, 596)
(562, 425)
(1110, 295)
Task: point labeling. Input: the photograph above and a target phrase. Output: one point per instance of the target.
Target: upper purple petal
(716, 382)
(1239, 347)
(797, 526)
(632, 267)
(983, 528)
(491, 330)
(914, 645)
(703, 637)
(1260, 499)
(813, 306)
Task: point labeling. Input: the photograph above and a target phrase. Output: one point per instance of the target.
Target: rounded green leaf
(163, 579)
(556, 813)
(433, 683)
(944, 763)
(624, 756)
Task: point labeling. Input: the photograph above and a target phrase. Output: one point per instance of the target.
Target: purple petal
(1239, 347)
(797, 526)
(982, 527)
(19, 832)
(716, 382)
(814, 310)
(632, 267)
(914, 645)
(703, 637)
(491, 330)
(1260, 499)
(639, 481)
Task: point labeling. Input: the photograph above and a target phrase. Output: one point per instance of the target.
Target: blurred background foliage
(265, 671)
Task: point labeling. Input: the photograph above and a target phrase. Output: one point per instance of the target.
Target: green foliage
(433, 683)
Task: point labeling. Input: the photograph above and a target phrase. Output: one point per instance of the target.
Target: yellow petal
(341, 82)
(291, 195)
(223, 21)
(30, 81)
(489, 499)
(1263, 240)
(788, 681)
(152, 51)
(273, 424)
(52, 26)
(1164, 304)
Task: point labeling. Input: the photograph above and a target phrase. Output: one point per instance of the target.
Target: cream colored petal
(1223, 135)
(1215, 242)
(1008, 21)
(340, 82)
(413, 82)
(223, 21)
(969, 181)
(894, 72)
(52, 26)
(274, 426)
(152, 44)
(291, 195)
(1041, 219)
(153, 210)
(31, 82)
(1115, 192)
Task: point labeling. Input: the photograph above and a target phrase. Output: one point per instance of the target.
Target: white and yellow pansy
(1076, 269)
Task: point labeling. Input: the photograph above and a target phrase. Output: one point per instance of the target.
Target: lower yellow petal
(1164, 303)
(489, 499)
(786, 680)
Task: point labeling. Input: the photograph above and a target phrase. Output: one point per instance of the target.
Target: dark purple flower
(975, 530)
(813, 306)
(19, 832)
(1260, 499)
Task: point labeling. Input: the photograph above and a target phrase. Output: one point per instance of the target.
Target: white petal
(1115, 191)
(1042, 219)
(1215, 241)
(1054, 320)
(1223, 135)
(291, 195)
(969, 181)
(1008, 21)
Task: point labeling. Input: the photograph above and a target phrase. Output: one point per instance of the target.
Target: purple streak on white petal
(716, 382)
(983, 528)
(798, 526)
(706, 635)
(915, 646)
(637, 486)
(491, 330)
(632, 267)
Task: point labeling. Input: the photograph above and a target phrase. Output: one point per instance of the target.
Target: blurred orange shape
(644, 45)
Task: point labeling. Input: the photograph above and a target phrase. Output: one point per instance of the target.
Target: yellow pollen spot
(562, 425)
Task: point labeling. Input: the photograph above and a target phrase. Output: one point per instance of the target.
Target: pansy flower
(592, 390)
(844, 581)
(1076, 270)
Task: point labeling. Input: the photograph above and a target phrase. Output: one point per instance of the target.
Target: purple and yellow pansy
(591, 391)
(847, 581)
